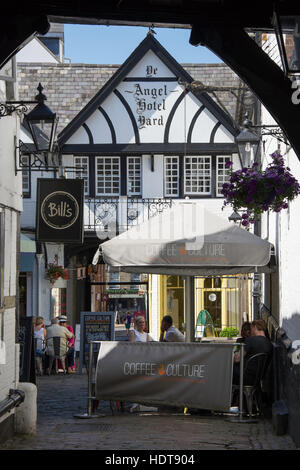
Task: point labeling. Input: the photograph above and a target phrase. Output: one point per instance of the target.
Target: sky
(99, 44)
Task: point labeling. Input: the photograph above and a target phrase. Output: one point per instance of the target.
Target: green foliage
(229, 332)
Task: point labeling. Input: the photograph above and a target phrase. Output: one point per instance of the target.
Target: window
(52, 44)
(134, 175)
(223, 173)
(114, 277)
(197, 175)
(25, 160)
(135, 277)
(108, 176)
(82, 171)
(171, 176)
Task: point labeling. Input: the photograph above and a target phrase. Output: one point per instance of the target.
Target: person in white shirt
(139, 334)
(172, 333)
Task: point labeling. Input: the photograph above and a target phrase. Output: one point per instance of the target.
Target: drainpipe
(15, 398)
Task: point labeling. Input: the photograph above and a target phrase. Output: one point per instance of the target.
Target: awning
(188, 240)
(27, 252)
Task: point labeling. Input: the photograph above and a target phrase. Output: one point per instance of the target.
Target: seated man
(55, 330)
(256, 343)
(172, 333)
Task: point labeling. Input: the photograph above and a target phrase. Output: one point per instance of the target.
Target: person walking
(127, 322)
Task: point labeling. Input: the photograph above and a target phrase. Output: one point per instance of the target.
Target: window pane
(197, 176)
(108, 175)
(223, 173)
(171, 176)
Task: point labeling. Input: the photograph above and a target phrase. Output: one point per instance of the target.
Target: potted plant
(229, 332)
(54, 272)
(255, 191)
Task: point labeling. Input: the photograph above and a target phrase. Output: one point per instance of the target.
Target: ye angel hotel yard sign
(60, 210)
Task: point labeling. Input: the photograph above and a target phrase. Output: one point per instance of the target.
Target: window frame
(87, 178)
(211, 183)
(26, 194)
(177, 157)
(134, 193)
(105, 158)
(229, 157)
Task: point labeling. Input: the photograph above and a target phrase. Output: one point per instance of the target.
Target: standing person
(139, 335)
(172, 333)
(70, 353)
(127, 322)
(39, 333)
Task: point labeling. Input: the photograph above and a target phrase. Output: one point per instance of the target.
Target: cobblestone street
(61, 397)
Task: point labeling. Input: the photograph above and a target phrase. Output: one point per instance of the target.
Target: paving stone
(61, 397)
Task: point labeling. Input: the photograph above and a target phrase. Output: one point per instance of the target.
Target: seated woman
(139, 334)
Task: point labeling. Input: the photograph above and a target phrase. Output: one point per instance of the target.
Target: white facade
(282, 229)
(10, 208)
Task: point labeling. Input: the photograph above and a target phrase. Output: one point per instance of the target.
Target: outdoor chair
(59, 354)
(253, 392)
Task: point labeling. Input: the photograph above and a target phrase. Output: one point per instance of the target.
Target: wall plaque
(60, 210)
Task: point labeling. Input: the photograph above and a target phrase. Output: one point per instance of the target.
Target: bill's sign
(60, 210)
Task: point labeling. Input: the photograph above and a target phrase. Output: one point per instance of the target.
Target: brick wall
(69, 87)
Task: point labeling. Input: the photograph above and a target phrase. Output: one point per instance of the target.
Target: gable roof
(149, 43)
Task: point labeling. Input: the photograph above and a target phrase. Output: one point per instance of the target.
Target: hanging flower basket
(54, 272)
(255, 191)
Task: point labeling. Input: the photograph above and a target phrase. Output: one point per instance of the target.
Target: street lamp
(235, 217)
(247, 143)
(41, 115)
(287, 30)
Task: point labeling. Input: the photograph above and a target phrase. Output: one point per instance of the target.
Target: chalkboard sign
(94, 326)
(27, 352)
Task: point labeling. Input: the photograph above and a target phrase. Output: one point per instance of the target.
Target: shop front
(226, 298)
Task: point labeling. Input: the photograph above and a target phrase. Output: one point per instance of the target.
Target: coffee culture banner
(59, 210)
(176, 374)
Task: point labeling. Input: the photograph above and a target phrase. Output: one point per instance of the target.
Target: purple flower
(228, 164)
(245, 223)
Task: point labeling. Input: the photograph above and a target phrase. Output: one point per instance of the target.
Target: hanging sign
(59, 210)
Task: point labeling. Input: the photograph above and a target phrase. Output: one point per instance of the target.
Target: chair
(59, 353)
(253, 392)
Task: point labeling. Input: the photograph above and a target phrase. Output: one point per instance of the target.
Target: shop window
(174, 300)
(82, 171)
(59, 301)
(197, 175)
(134, 173)
(171, 176)
(108, 176)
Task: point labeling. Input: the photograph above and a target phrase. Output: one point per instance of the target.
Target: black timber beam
(16, 31)
(266, 80)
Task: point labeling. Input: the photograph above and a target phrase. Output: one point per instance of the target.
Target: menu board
(94, 326)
